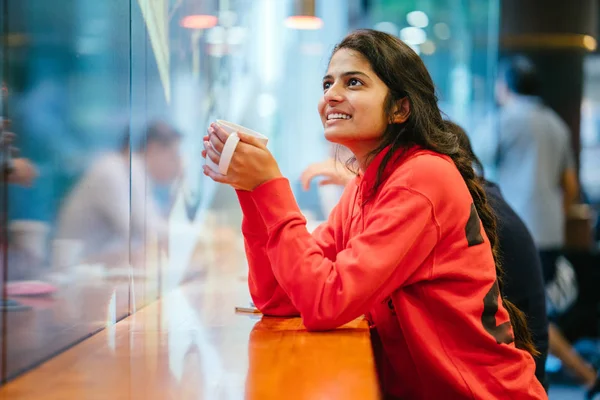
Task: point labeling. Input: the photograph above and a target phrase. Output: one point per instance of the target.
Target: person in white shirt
(534, 159)
(112, 206)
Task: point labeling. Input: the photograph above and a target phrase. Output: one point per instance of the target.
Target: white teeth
(338, 116)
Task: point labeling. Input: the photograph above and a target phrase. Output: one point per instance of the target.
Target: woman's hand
(251, 165)
(23, 172)
(334, 173)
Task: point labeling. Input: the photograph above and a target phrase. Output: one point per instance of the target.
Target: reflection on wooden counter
(287, 361)
(192, 345)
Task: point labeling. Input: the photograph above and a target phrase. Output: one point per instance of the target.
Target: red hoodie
(414, 259)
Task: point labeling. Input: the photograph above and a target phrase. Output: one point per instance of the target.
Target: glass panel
(149, 91)
(3, 186)
(69, 230)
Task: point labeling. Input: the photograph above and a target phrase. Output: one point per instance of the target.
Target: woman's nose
(333, 95)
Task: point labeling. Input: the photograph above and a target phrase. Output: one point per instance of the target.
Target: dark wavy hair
(405, 75)
(521, 75)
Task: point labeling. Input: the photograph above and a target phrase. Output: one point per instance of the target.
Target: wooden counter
(192, 345)
(54, 323)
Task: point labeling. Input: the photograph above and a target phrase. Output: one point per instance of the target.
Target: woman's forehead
(345, 60)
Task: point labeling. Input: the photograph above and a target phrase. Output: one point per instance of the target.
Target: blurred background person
(535, 168)
(98, 218)
(534, 160)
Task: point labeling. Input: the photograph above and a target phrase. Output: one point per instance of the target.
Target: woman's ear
(401, 111)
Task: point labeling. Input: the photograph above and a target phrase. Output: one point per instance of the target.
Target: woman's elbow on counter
(276, 309)
(317, 324)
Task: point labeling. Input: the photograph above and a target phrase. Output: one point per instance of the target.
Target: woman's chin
(336, 136)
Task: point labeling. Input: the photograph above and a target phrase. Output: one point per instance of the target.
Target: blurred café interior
(123, 267)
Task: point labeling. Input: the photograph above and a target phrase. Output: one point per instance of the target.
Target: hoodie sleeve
(400, 233)
(268, 295)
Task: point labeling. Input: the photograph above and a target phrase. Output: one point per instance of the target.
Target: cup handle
(227, 153)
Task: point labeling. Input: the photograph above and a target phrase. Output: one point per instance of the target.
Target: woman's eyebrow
(326, 77)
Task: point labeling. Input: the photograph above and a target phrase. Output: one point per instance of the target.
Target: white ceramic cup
(29, 236)
(230, 144)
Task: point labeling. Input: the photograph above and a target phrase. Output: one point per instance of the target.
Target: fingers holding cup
(217, 137)
(216, 129)
(210, 153)
(215, 176)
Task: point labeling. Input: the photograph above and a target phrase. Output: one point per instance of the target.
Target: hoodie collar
(367, 180)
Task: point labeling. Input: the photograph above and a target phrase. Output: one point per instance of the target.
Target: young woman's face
(352, 108)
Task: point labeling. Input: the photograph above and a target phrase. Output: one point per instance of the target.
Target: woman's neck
(363, 153)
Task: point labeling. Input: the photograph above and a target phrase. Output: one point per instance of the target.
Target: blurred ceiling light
(590, 43)
(198, 21)
(199, 14)
(428, 48)
(387, 27)
(413, 35)
(415, 48)
(304, 16)
(442, 31)
(417, 19)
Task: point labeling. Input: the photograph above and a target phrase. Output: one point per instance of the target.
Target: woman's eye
(354, 82)
(326, 85)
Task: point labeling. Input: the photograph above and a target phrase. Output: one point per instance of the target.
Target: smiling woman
(354, 102)
(412, 238)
